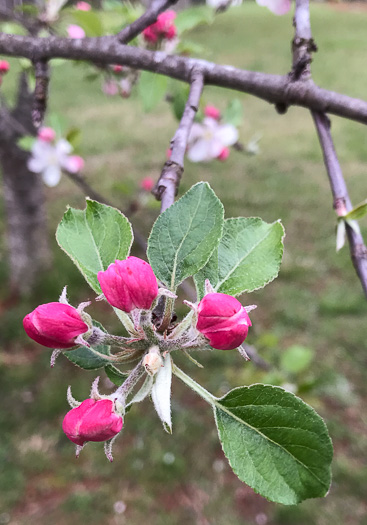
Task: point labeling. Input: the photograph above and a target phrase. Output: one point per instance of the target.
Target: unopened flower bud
(117, 68)
(153, 361)
(55, 325)
(93, 420)
(83, 6)
(75, 31)
(222, 320)
(224, 154)
(129, 284)
(46, 134)
(4, 67)
(164, 27)
(212, 112)
(147, 183)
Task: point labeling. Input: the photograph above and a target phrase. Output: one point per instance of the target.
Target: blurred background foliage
(310, 325)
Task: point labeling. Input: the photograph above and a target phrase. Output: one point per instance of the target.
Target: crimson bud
(222, 320)
(93, 420)
(129, 284)
(55, 325)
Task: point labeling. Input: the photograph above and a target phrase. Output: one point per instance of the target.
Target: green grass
(316, 302)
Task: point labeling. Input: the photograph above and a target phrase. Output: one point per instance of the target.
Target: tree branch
(167, 186)
(147, 19)
(275, 89)
(341, 201)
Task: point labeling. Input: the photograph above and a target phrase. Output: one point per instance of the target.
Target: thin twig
(168, 183)
(147, 19)
(302, 49)
(42, 75)
(342, 203)
(276, 89)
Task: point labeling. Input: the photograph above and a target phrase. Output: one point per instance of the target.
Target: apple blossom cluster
(210, 139)
(119, 80)
(50, 156)
(163, 29)
(130, 286)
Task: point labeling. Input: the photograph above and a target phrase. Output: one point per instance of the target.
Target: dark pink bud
(129, 284)
(93, 420)
(55, 325)
(147, 183)
(224, 154)
(223, 320)
(162, 28)
(117, 68)
(212, 112)
(4, 66)
(150, 35)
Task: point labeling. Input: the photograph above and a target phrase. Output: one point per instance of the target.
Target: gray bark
(23, 198)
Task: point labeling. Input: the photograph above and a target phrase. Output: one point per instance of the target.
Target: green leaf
(296, 359)
(192, 17)
(185, 235)
(74, 136)
(152, 89)
(358, 212)
(90, 358)
(89, 21)
(115, 375)
(26, 142)
(93, 238)
(249, 257)
(234, 113)
(275, 443)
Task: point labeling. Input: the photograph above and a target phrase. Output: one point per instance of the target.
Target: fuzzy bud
(147, 184)
(4, 67)
(93, 420)
(224, 154)
(46, 134)
(129, 284)
(153, 361)
(55, 325)
(222, 320)
(163, 28)
(212, 112)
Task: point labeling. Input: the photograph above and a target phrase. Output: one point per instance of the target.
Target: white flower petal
(227, 134)
(215, 148)
(40, 148)
(51, 175)
(63, 147)
(36, 164)
(199, 151)
(161, 393)
(278, 7)
(197, 132)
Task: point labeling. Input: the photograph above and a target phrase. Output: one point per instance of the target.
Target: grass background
(316, 302)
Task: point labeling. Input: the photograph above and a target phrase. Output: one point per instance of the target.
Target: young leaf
(358, 211)
(193, 16)
(115, 375)
(340, 234)
(26, 142)
(161, 393)
(233, 113)
(89, 21)
(152, 89)
(144, 391)
(185, 235)
(249, 257)
(275, 443)
(89, 358)
(93, 238)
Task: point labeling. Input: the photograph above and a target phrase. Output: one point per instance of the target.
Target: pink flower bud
(55, 325)
(83, 6)
(93, 420)
(223, 320)
(129, 284)
(162, 28)
(212, 112)
(147, 184)
(46, 134)
(224, 154)
(168, 153)
(117, 68)
(4, 66)
(74, 164)
(75, 31)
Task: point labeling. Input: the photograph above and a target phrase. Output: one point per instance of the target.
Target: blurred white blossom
(209, 139)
